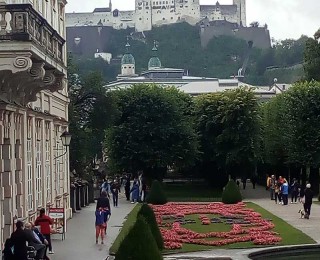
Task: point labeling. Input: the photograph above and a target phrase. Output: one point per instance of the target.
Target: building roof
(102, 10)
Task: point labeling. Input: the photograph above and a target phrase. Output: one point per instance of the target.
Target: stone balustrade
(20, 22)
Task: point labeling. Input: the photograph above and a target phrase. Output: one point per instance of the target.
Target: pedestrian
(307, 200)
(127, 187)
(45, 223)
(134, 191)
(103, 201)
(253, 181)
(271, 185)
(244, 182)
(268, 182)
(102, 216)
(294, 190)
(285, 191)
(38, 234)
(115, 190)
(36, 242)
(18, 240)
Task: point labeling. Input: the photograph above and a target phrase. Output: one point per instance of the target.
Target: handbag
(303, 200)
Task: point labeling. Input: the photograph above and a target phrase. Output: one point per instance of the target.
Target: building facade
(149, 13)
(33, 110)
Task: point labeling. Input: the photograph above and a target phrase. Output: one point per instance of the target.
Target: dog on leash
(302, 213)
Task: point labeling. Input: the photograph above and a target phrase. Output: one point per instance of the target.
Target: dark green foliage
(139, 243)
(227, 124)
(222, 58)
(312, 58)
(154, 130)
(147, 212)
(231, 193)
(156, 195)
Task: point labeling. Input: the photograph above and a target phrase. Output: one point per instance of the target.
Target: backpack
(7, 251)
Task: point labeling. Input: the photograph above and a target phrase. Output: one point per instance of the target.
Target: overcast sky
(285, 18)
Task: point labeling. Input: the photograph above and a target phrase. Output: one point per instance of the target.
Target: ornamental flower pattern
(252, 226)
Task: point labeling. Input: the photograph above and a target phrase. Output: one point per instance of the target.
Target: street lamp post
(65, 139)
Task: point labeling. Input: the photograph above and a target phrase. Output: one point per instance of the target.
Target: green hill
(180, 47)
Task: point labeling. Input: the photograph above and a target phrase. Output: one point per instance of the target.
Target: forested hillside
(179, 47)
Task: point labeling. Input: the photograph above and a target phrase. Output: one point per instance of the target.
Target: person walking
(308, 196)
(115, 190)
(294, 190)
(45, 223)
(244, 182)
(253, 181)
(127, 187)
(101, 224)
(285, 192)
(135, 191)
(103, 201)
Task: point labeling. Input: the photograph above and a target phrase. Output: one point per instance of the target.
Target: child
(101, 223)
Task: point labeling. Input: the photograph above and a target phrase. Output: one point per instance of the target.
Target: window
(57, 161)
(29, 173)
(47, 170)
(38, 175)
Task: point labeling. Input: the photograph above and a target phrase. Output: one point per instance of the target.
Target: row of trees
(156, 128)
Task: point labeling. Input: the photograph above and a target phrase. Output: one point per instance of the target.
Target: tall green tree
(227, 124)
(90, 113)
(312, 58)
(153, 130)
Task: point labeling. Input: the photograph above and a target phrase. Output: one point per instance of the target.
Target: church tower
(242, 11)
(154, 62)
(110, 5)
(128, 63)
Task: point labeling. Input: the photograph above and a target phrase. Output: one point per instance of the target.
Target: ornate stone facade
(33, 111)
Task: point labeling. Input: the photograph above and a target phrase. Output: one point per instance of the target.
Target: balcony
(31, 55)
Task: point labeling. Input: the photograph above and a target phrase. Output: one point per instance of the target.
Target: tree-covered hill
(180, 47)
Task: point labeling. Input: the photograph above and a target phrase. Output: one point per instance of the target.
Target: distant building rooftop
(102, 10)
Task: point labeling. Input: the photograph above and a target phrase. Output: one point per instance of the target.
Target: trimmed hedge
(157, 195)
(147, 212)
(139, 243)
(231, 193)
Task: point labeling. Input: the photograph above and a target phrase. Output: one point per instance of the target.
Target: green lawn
(131, 219)
(191, 192)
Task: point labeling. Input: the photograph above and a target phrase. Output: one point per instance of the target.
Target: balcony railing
(20, 22)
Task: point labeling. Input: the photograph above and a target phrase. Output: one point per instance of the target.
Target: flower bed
(246, 225)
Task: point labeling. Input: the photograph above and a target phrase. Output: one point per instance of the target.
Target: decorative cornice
(22, 78)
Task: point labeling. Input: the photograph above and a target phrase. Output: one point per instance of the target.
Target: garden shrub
(147, 212)
(231, 193)
(139, 243)
(157, 195)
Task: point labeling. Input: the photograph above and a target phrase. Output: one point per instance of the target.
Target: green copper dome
(154, 62)
(128, 57)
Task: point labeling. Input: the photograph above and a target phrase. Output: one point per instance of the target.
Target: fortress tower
(241, 11)
(143, 15)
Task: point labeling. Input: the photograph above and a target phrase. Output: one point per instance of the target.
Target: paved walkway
(80, 238)
(289, 213)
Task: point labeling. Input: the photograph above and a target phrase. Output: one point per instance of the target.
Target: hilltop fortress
(150, 13)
